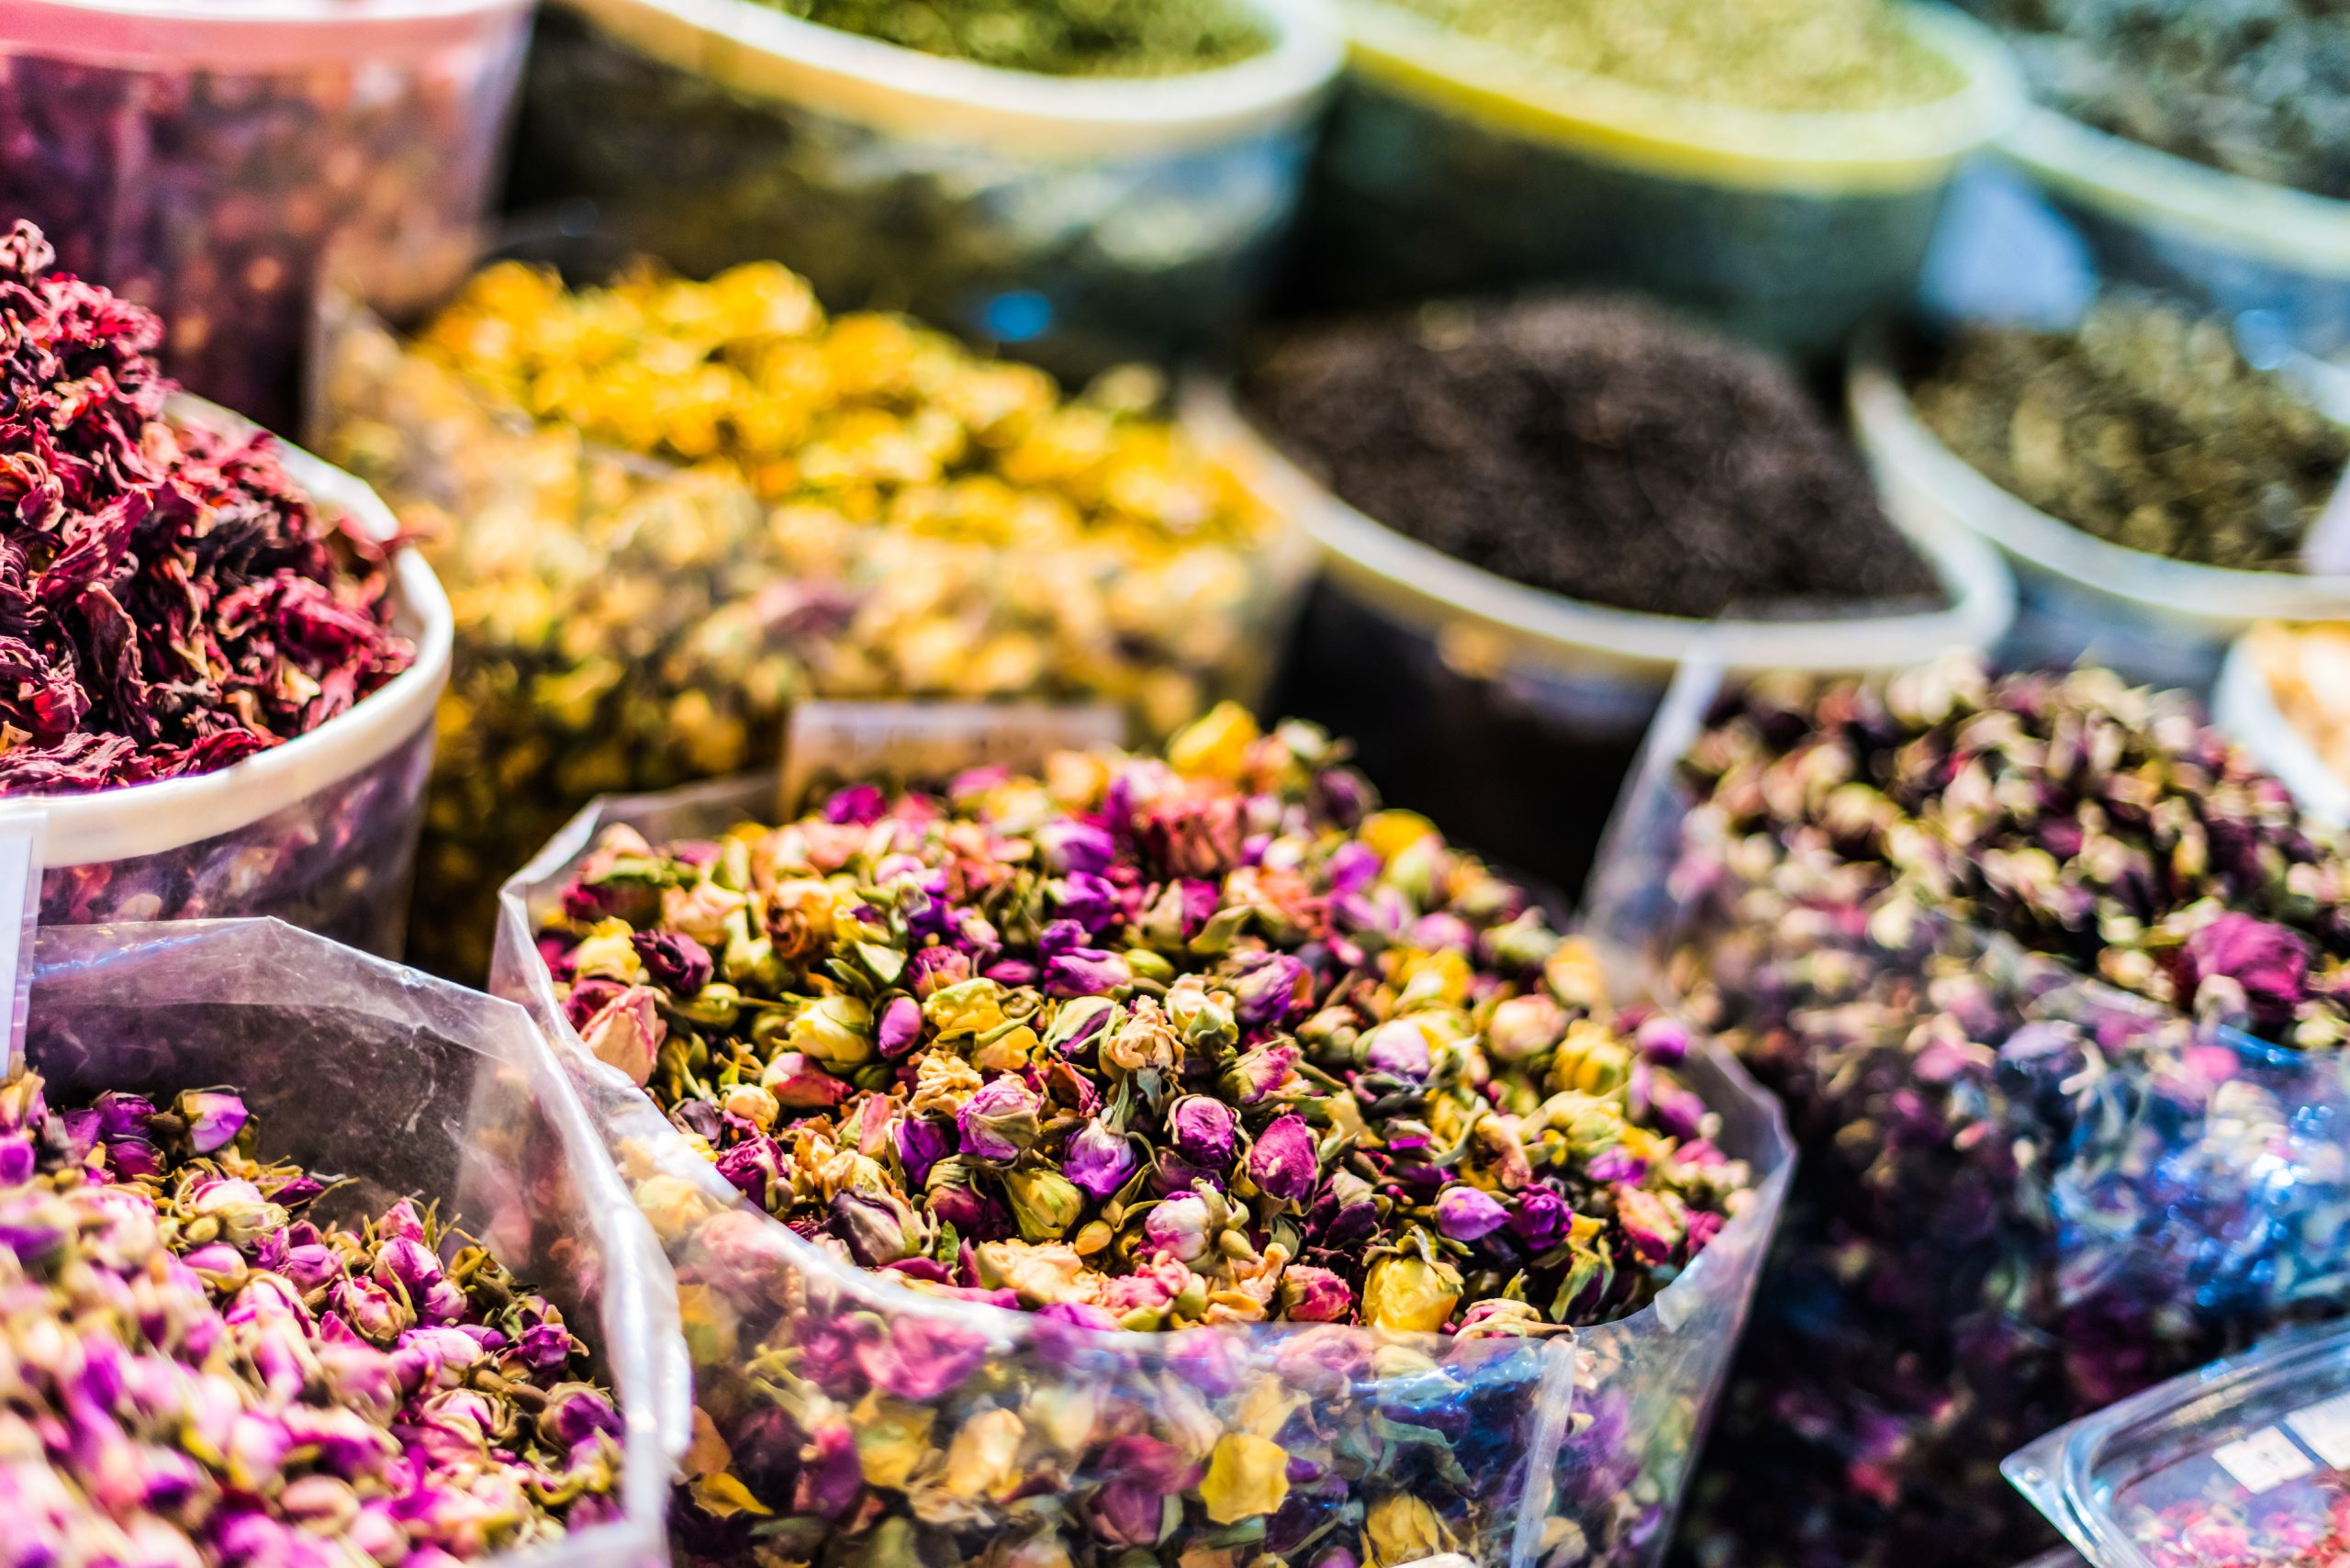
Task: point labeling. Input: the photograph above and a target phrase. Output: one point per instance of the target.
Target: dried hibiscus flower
(169, 601)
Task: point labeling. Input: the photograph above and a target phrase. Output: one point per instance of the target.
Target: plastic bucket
(1079, 222)
(1451, 165)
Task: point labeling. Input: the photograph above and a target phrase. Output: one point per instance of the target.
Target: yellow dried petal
(1390, 833)
(724, 1495)
(981, 1460)
(892, 1439)
(1247, 1476)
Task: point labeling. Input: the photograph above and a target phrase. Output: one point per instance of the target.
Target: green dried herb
(1803, 55)
(1055, 37)
(2144, 427)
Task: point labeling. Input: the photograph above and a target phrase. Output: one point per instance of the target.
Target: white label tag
(2324, 1427)
(2265, 1460)
(23, 831)
(926, 742)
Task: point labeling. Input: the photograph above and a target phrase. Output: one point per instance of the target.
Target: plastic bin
(1536, 1454)
(2024, 1194)
(320, 831)
(2240, 1461)
(203, 156)
(1080, 221)
(2245, 705)
(2154, 619)
(439, 1093)
(2233, 244)
(1451, 165)
(624, 623)
(1458, 684)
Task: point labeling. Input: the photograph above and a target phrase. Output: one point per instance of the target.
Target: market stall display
(207, 160)
(666, 509)
(1478, 147)
(222, 687)
(2051, 981)
(1205, 1046)
(244, 1325)
(1082, 194)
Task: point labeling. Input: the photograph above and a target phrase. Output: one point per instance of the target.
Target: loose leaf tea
(1598, 450)
(1802, 55)
(1058, 38)
(2145, 427)
(170, 601)
(2257, 87)
(199, 1371)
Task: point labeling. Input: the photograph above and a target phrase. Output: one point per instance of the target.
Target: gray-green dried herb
(1055, 37)
(2145, 427)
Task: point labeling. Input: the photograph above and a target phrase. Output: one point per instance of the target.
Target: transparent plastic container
(2233, 244)
(2245, 705)
(1079, 222)
(624, 624)
(441, 1093)
(2024, 1193)
(2151, 618)
(320, 831)
(1548, 1453)
(200, 157)
(1451, 165)
(2239, 1464)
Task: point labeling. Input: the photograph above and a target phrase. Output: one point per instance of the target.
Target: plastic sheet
(1079, 222)
(1511, 1469)
(1450, 166)
(2024, 1194)
(202, 159)
(320, 831)
(2149, 617)
(437, 1093)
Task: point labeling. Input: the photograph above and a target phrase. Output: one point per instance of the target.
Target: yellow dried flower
(1247, 1476)
(1412, 1294)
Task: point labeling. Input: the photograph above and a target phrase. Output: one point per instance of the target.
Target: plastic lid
(248, 36)
(149, 819)
(1829, 152)
(2160, 190)
(1929, 483)
(1466, 605)
(765, 53)
(2244, 1463)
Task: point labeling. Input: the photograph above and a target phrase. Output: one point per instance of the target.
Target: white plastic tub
(2245, 706)
(203, 157)
(1453, 166)
(320, 831)
(2151, 618)
(1078, 220)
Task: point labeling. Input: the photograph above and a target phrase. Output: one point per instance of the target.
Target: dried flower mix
(2259, 88)
(1595, 449)
(173, 602)
(2144, 427)
(1801, 55)
(201, 1370)
(2023, 1195)
(1187, 1045)
(849, 506)
(2307, 670)
(1058, 38)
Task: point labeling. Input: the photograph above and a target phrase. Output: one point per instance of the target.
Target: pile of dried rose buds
(191, 1372)
(1187, 1044)
(2050, 977)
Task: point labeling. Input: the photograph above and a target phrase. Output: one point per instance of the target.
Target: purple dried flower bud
(999, 1123)
(1203, 1131)
(1271, 987)
(1141, 1477)
(1468, 1214)
(1086, 971)
(590, 997)
(677, 962)
(1653, 1226)
(861, 804)
(800, 1083)
(1178, 1227)
(214, 1118)
(1262, 1071)
(752, 1166)
(547, 1347)
(1663, 1039)
(1071, 845)
(373, 1311)
(1286, 1161)
(1099, 1160)
(1541, 1219)
(899, 1029)
(2270, 963)
(876, 1230)
(576, 1412)
(1399, 1047)
(1316, 1295)
(922, 1143)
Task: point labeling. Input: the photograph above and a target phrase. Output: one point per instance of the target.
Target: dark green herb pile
(1055, 37)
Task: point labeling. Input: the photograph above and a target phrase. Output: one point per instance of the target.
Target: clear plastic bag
(1532, 1453)
(625, 624)
(320, 831)
(2024, 1193)
(1080, 221)
(2149, 617)
(201, 159)
(1450, 166)
(436, 1093)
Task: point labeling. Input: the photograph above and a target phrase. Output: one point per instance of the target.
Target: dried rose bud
(1203, 1131)
(627, 1031)
(999, 1123)
(214, 1118)
(1464, 1214)
(1286, 1162)
(1044, 1205)
(674, 961)
(1099, 1160)
(1316, 1295)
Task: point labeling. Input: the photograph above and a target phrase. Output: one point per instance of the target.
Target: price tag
(929, 742)
(23, 831)
(2325, 1428)
(2266, 1459)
